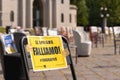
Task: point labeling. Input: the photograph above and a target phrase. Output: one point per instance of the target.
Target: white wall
(7, 6)
(63, 8)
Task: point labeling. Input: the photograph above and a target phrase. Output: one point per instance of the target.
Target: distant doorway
(37, 13)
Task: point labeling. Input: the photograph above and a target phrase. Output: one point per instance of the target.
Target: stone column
(44, 11)
(23, 13)
(49, 13)
(54, 13)
(29, 14)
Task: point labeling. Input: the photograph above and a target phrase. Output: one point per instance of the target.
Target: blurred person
(8, 29)
(64, 32)
(38, 31)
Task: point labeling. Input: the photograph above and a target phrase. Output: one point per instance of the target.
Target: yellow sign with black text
(47, 52)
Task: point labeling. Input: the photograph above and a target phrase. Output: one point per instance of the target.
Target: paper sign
(47, 52)
(8, 42)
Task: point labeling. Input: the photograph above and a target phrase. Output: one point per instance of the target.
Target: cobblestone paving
(102, 64)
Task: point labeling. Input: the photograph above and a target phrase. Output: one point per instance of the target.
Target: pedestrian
(8, 29)
(38, 31)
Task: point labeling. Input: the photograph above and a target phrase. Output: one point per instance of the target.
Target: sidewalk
(101, 65)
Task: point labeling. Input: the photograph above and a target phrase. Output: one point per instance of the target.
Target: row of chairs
(97, 36)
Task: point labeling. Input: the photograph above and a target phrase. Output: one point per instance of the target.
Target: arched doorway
(37, 13)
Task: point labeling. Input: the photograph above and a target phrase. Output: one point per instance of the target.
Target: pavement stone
(102, 64)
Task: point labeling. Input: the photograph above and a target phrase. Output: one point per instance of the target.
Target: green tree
(73, 2)
(94, 11)
(114, 11)
(88, 12)
(82, 12)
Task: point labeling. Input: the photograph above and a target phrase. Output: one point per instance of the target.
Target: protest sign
(47, 52)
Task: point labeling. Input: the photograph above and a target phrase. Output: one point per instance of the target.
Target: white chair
(52, 32)
(93, 34)
(94, 29)
(116, 38)
(83, 48)
(97, 35)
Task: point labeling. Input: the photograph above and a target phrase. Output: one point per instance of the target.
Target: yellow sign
(47, 52)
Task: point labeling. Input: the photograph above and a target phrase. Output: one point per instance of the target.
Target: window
(62, 1)
(70, 18)
(62, 17)
(12, 16)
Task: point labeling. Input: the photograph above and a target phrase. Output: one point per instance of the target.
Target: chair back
(116, 30)
(11, 63)
(17, 37)
(52, 32)
(116, 38)
(93, 29)
(116, 33)
(77, 37)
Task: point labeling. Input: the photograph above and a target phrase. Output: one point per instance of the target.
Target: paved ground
(101, 65)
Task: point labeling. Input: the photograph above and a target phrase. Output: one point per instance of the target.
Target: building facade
(31, 13)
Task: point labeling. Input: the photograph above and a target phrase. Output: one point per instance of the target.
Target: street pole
(104, 16)
(104, 24)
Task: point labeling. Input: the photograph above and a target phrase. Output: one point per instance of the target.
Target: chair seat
(117, 42)
(117, 39)
(83, 48)
(13, 67)
(13, 55)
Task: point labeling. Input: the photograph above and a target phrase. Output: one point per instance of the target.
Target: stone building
(44, 13)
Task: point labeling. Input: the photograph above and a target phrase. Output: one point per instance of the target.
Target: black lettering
(48, 59)
(56, 50)
(36, 42)
(38, 51)
(46, 50)
(51, 49)
(41, 51)
(44, 42)
(34, 50)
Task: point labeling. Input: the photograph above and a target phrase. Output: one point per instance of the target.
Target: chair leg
(96, 41)
(103, 42)
(115, 49)
(92, 42)
(119, 49)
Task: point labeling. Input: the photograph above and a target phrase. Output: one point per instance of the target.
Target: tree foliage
(94, 13)
(89, 11)
(113, 10)
(82, 12)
